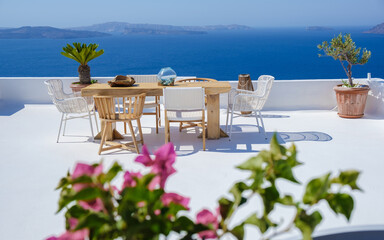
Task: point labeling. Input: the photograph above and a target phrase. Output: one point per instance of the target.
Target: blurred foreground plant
(142, 210)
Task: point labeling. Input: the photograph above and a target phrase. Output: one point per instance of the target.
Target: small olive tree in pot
(351, 97)
(82, 53)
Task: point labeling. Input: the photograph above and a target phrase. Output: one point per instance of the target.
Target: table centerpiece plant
(82, 53)
(141, 209)
(351, 97)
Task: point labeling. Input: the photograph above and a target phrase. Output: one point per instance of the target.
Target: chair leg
(180, 126)
(159, 111)
(94, 115)
(61, 123)
(203, 134)
(90, 123)
(103, 137)
(257, 121)
(226, 124)
(230, 128)
(157, 121)
(65, 123)
(262, 124)
(125, 128)
(140, 131)
(133, 136)
(167, 132)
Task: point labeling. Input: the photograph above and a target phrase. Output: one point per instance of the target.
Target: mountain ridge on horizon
(124, 28)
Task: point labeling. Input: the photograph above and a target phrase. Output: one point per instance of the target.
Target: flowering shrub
(141, 209)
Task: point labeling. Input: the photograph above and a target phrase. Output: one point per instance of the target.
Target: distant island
(109, 29)
(46, 32)
(123, 28)
(318, 28)
(378, 29)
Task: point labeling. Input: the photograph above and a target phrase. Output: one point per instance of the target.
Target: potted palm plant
(351, 97)
(82, 53)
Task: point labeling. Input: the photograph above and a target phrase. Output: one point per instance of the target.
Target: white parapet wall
(310, 94)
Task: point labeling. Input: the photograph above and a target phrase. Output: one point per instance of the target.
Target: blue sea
(288, 53)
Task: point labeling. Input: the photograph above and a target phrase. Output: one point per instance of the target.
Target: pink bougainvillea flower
(95, 205)
(141, 204)
(129, 179)
(165, 158)
(69, 235)
(82, 169)
(167, 198)
(144, 158)
(81, 234)
(157, 212)
(162, 165)
(207, 218)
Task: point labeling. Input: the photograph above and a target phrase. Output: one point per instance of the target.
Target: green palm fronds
(82, 53)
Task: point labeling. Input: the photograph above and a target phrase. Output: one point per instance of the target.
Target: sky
(254, 13)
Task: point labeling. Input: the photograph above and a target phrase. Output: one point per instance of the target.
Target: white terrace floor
(32, 163)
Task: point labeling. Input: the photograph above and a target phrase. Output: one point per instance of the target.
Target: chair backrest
(197, 80)
(264, 85)
(252, 101)
(55, 89)
(187, 99)
(114, 108)
(144, 78)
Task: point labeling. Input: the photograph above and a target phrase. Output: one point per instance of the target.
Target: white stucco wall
(311, 94)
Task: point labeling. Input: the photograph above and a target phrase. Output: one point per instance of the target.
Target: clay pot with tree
(82, 53)
(351, 97)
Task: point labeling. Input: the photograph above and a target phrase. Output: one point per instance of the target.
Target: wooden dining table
(212, 91)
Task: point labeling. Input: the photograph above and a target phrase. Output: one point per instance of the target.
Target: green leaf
(283, 169)
(112, 172)
(87, 194)
(81, 179)
(66, 197)
(226, 207)
(63, 182)
(238, 232)
(270, 197)
(341, 203)
(252, 164)
(237, 191)
(291, 156)
(287, 200)
(183, 223)
(307, 223)
(277, 150)
(348, 178)
(93, 221)
(76, 211)
(261, 223)
(316, 189)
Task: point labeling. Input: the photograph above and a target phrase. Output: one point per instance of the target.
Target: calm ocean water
(283, 53)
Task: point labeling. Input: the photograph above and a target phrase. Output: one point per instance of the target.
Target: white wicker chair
(247, 101)
(184, 105)
(70, 105)
(150, 102)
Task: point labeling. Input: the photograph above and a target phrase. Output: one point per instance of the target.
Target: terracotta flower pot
(77, 86)
(351, 101)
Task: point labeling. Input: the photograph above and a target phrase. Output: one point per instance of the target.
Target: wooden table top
(151, 89)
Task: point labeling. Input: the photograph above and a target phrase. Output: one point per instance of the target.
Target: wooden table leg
(112, 133)
(213, 117)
